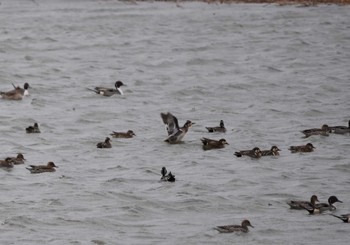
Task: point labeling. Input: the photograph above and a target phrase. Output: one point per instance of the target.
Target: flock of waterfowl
(175, 135)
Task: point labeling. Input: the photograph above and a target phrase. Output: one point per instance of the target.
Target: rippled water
(267, 71)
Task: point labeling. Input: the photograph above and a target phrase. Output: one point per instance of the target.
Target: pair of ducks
(176, 133)
(17, 93)
(9, 162)
(107, 142)
(325, 130)
(312, 207)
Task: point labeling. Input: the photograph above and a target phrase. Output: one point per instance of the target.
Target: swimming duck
(296, 204)
(33, 129)
(24, 90)
(175, 133)
(235, 228)
(6, 163)
(109, 91)
(105, 144)
(221, 128)
(321, 207)
(37, 169)
(128, 134)
(274, 151)
(254, 153)
(302, 148)
(340, 129)
(343, 217)
(15, 94)
(324, 130)
(170, 177)
(19, 159)
(209, 144)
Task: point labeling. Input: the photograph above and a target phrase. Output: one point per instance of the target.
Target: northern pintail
(321, 207)
(221, 128)
(254, 153)
(302, 148)
(33, 129)
(343, 217)
(297, 204)
(235, 228)
(209, 144)
(167, 177)
(37, 169)
(24, 91)
(274, 151)
(128, 134)
(109, 91)
(175, 133)
(324, 130)
(105, 144)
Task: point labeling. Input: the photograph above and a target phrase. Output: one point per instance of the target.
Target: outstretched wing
(170, 122)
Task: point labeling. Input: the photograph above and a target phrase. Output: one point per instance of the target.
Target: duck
(109, 91)
(128, 134)
(24, 91)
(19, 159)
(324, 130)
(221, 128)
(167, 177)
(235, 228)
(14, 94)
(33, 129)
(302, 148)
(341, 129)
(274, 151)
(321, 207)
(6, 163)
(344, 217)
(37, 169)
(296, 204)
(105, 144)
(209, 144)
(254, 153)
(175, 133)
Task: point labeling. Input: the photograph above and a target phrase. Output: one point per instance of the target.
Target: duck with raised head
(274, 151)
(24, 91)
(235, 228)
(254, 153)
(105, 144)
(321, 207)
(344, 217)
(209, 144)
(33, 129)
(37, 169)
(19, 159)
(109, 91)
(297, 204)
(220, 128)
(167, 177)
(6, 163)
(341, 129)
(175, 133)
(324, 130)
(126, 135)
(302, 148)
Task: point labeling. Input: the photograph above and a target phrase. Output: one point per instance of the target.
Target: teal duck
(297, 204)
(175, 133)
(37, 169)
(105, 144)
(19, 159)
(341, 129)
(274, 151)
(344, 217)
(254, 153)
(128, 134)
(235, 228)
(302, 148)
(24, 91)
(209, 144)
(33, 129)
(167, 177)
(221, 128)
(321, 207)
(109, 91)
(6, 163)
(324, 130)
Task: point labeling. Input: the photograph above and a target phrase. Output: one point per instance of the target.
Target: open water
(268, 71)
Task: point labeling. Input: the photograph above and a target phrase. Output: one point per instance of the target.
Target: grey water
(268, 71)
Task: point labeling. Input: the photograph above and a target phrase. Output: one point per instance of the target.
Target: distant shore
(280, 2)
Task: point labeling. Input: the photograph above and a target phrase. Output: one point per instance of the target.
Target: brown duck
(209, 144)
